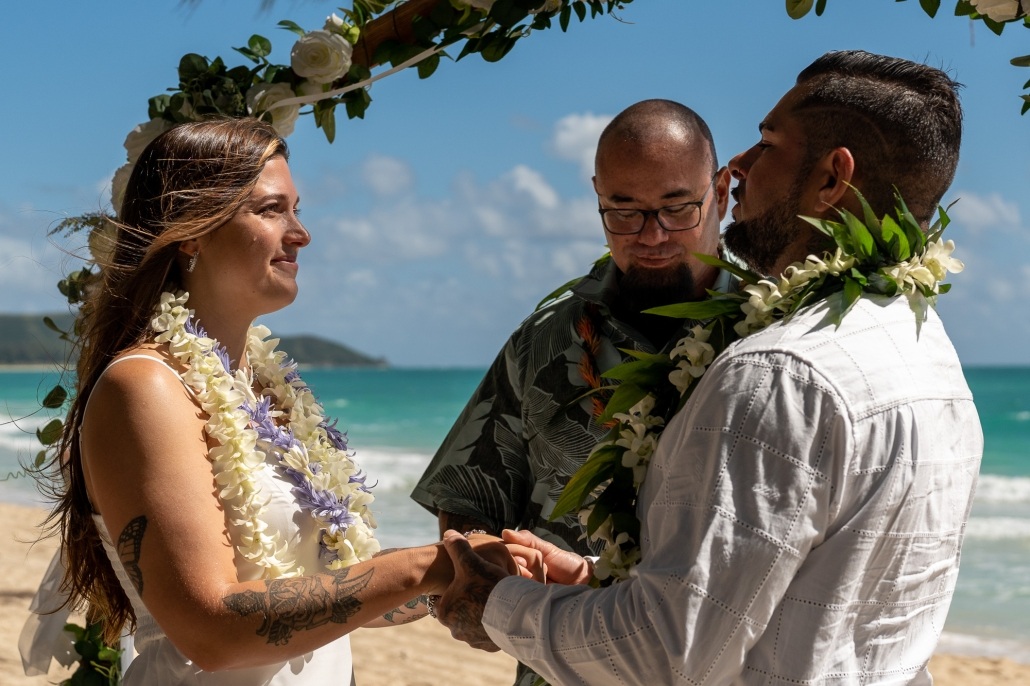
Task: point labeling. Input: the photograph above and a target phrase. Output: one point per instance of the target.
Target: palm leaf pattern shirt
(529, 425)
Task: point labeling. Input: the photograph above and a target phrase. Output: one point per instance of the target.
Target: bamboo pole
(394, 25)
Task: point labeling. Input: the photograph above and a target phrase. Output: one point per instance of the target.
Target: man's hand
(558, 566)
(460, 608)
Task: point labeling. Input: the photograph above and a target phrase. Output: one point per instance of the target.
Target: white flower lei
(868, 259)
(333, 483)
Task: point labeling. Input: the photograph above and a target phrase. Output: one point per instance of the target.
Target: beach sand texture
(418, 654)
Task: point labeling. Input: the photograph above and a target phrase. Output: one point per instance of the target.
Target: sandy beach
(419, 654)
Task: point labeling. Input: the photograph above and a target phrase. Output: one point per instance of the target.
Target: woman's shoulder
(141, 375)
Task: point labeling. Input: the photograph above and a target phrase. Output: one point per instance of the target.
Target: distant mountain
(25, 339)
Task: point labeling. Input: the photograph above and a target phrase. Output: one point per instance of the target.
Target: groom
(803, 514)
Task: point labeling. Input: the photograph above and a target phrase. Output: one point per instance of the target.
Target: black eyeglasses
(679, 217)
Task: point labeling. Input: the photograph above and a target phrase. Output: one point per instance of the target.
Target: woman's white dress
(159, 663)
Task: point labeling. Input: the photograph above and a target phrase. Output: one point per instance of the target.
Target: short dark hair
(647, 120)
(901, 120)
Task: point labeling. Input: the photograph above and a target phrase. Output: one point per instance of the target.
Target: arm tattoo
(129, 544)
(405, 617)
(299, 603)
(462, 523)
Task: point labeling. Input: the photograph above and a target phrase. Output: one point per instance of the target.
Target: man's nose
(740, 165)
(652, 233)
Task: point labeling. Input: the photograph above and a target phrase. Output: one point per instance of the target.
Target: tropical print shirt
(529, 426)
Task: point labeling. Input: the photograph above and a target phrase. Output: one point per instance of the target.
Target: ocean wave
(992, 488)
(998, 528)
(984, 646)
(392, 470)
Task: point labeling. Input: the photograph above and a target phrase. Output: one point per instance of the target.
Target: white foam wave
(992, 488)
(998, 528)
(984, 646)
(1023, 416)
(392, 470)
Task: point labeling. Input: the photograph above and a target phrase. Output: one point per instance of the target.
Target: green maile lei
(889, 256)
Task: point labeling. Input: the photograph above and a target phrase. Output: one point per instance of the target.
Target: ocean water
(396, 418)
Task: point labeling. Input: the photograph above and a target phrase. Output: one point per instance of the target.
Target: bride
(207, 503)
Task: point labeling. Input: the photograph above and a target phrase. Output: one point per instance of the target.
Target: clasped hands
(481, 561)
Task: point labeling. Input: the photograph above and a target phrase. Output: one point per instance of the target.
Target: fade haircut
(649, 121)
(902, 122)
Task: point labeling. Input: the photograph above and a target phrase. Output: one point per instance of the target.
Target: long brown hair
(188, 182)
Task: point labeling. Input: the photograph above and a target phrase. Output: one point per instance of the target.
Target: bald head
(658, 123)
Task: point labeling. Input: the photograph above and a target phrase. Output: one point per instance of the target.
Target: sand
(418, 654)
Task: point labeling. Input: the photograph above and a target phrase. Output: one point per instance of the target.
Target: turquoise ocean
(396, 418)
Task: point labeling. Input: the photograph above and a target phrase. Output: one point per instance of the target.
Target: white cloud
(575, 139)
(533, 184)
(387, 176)
(984, 212)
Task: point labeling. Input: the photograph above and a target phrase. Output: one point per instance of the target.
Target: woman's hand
(545, 561)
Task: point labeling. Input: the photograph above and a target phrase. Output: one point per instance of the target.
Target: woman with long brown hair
(205, 500)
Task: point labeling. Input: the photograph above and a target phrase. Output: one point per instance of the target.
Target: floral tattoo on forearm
(296, 604)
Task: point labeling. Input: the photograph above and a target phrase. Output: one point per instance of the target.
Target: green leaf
(820, 7)
(701, 309)
(861, 239)
(596, 470)
(930, 6)
(625, 396)
(427, 66)
(292, 26)
(49, 323)
(40, 459)
(597, 517)
(249, 54)
(852, 292)
(964, 8)
(1023, 61)
(55, 398)
(798, 8)
(641, 372)
(192, 66)
(580, 9)
(895, 239)
(259, 45)
(563, 18)
(656, 358)
(745, 275)
(51, 433)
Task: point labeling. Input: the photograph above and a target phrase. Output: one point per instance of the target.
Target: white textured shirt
(801, 520)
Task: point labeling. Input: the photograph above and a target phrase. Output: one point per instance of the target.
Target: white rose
(998, 10)
(321, 56)
(118, 183)
(262, 96)
(141, 136)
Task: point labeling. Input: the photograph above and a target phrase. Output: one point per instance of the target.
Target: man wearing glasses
(528, 427)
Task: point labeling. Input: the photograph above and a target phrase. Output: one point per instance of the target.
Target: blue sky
(442, 218)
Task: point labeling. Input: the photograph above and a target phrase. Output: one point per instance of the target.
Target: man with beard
(803, 514)
(529, 426)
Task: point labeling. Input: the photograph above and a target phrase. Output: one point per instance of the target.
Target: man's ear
(832, 177)
(722, 191)
(593, 180)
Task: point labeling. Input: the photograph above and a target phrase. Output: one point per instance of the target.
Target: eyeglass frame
(699, 203)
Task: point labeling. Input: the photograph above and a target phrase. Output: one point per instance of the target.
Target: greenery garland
(889, 256)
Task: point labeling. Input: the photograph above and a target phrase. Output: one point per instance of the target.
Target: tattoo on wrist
(129, 543)
(397, 616)
(300, 603)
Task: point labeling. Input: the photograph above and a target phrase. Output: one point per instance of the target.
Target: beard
(641, 289)
(762, 241)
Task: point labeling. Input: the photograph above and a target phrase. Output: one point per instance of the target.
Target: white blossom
(142, 135)
(1000, 10)
(260, 99)
(321, 56)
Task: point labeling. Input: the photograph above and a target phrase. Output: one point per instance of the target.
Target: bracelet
(430, 602)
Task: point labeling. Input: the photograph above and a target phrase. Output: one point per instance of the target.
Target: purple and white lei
(312, 452)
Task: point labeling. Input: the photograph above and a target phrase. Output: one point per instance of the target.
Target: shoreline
(417, 654)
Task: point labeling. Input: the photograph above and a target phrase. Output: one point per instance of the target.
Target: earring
(192, 264)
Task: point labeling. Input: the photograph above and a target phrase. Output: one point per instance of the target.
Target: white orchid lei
(889, 256)
(328, 484)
